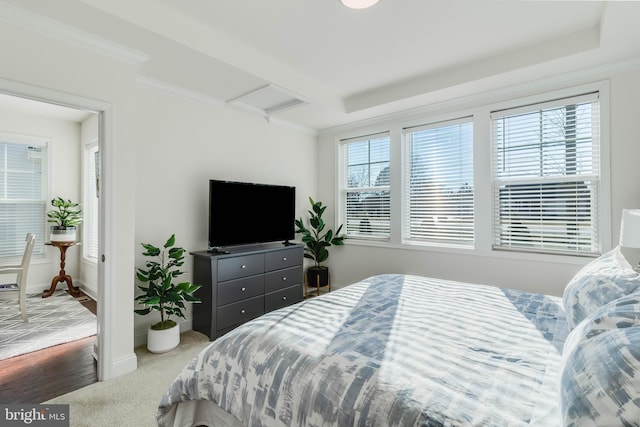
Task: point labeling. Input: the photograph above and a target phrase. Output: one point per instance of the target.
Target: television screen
(243, 213)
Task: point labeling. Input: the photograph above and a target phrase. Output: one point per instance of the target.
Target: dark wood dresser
(243, 284)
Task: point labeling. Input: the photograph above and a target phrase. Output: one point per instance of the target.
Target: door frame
(105, 342)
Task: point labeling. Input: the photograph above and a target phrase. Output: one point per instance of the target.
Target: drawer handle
(243, 289)
(284, 278)
(243, 311)
(243, 266)
(284, 258)
(284, 298)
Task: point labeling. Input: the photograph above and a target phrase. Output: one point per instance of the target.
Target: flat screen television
(243, 213)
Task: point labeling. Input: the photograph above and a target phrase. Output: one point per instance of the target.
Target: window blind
(546, 172)
(90, 223)
(439, 181)
(23, 201)
(366, 190)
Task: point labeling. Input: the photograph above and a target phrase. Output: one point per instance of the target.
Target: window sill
(470, 251)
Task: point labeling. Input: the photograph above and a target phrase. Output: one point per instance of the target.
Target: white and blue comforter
(391, 350)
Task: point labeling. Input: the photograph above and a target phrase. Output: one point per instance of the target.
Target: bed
(405, 350)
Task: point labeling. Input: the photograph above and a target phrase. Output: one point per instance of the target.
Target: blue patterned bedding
(391, 350)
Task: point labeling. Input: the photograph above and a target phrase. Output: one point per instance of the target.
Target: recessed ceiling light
(359, 4)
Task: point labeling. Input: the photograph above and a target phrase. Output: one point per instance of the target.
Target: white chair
(18, 290)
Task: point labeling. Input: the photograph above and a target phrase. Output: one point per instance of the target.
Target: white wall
(159, 149)
(50, 69)
(625, 145)
(181, 144)
(533, 273)
(64, 181)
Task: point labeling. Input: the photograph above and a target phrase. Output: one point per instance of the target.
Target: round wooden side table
(62, 276)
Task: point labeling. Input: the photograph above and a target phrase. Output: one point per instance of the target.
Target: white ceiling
(356, 64)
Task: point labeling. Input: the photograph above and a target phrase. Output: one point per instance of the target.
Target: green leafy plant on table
(65, 213)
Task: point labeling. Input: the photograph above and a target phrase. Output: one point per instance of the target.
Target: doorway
(53, 106)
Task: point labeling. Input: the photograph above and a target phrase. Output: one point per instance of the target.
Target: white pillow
(600, 369)
(623, 312)
(602, 280)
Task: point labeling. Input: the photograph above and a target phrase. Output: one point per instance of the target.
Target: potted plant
(316, 240)
(161, 294)
(66, 216)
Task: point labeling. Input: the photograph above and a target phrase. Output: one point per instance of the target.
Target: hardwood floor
(42, 375)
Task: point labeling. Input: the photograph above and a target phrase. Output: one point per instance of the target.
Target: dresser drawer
(240, 266)
(239, 289)
(282, 298)
(239, 312)
(280, 279)
(282, 259)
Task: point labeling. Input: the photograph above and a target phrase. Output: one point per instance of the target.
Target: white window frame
(530, 235)
(42, 232)
(480, 108)
(446, 239)
(344, 188)
(90, 205)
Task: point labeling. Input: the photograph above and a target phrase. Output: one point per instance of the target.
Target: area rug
(55, 320)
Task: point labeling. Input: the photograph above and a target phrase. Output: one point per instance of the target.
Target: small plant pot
(62, 234)
(317, 276)
(163, 340)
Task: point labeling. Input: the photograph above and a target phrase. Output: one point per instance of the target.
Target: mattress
(393, 349)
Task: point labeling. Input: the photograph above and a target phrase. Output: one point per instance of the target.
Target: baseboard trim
(88, 292)
(122, 366)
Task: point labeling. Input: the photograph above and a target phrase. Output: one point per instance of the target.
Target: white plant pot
(161, 341)
(62, 234)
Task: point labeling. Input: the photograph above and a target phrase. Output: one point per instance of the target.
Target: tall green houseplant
(317, 238)
(159, 292)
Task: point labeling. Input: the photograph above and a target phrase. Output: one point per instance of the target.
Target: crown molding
(545, 84)
(57, 30)
(286, 123)
(164, 87)
(272, 119)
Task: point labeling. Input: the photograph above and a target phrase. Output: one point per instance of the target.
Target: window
(546, 176)
(510, 178)
(23, 203)
(439, 183)
(90, 208)
(365, 190)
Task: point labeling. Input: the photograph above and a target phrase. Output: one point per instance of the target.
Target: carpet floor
(55, 320)
(132, 399)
